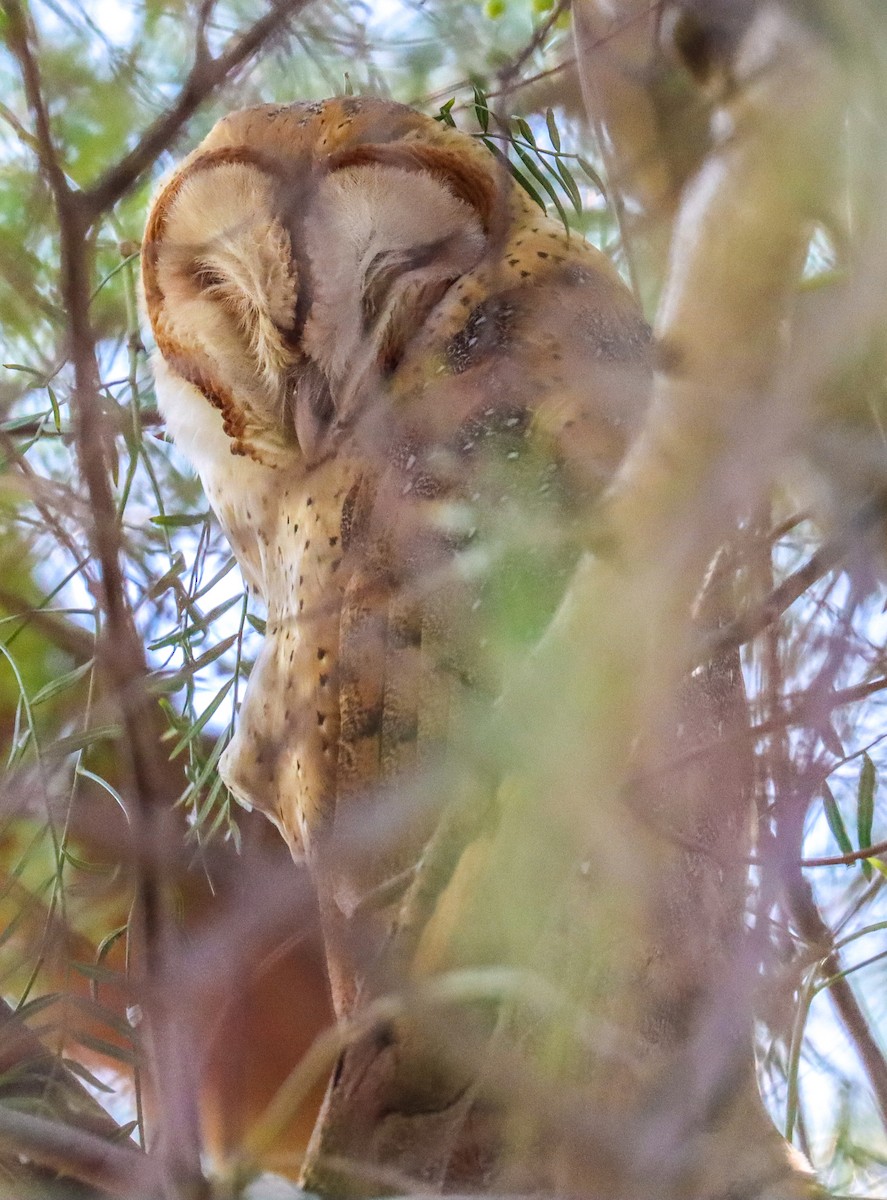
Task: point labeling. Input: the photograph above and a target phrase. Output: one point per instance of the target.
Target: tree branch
(825, 559)
(840, 992)
(206, 75)
(79, 1155)
(74, 641)
(837, 860)
(507, 74)
(18, 39)
(119, 651)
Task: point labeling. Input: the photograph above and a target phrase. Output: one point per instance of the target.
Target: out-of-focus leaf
(445, 115)
(525, 131)
(88, 737)
(257, 623)
(592, 174)
(108, 1049)
(202, 720)
(481, 109)
(55, 686)
(77, 1068)
(538, 175)
(835, 820)
(569, 185)
(198, 625)
(865, 807)
(180, 520)
(552, 129)
(56, 414)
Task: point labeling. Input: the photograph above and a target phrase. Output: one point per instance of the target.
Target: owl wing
(500, 426)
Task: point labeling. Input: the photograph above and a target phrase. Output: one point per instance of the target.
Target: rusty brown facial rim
(190, 363)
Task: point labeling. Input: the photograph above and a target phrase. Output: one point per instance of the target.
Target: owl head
(291, 258)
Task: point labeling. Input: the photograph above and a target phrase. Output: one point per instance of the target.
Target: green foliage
(544, 172)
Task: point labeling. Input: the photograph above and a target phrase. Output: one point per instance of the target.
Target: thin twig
(148, 418)
(842, 996)
(25, 136)
(76, 642)
(201, 46)
(793, 804)
(837, 860)
(509, 73)
(18, 40)
(825, 559)
(120, 652)
(797, 706)
(797, 715)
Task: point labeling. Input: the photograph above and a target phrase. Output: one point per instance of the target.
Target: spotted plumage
(356, 310)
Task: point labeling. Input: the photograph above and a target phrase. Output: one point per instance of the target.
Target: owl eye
(389, 267)
(207, 277)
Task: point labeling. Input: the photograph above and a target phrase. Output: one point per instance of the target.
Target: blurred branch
(148, 419)
(798, 714)
(567, 67)
(74, 1153)
(201, 46)
(508, 74)
(25, 136)
(837, 860)
(126, 664)
(74, 641)
(843, 998)
(37, 489)
(206, 75)
(17, 34)
(120, 653)
(826, 558)
(799, 703)
(621, 66)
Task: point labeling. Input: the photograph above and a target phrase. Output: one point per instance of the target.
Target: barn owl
(403, 387)
(349, 300)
